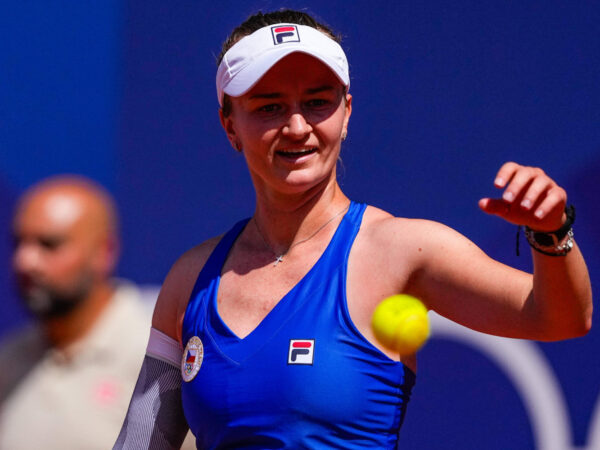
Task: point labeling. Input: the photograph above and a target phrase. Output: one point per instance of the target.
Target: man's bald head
(65, 231)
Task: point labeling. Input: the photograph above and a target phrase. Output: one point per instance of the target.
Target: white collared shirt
(74, 399)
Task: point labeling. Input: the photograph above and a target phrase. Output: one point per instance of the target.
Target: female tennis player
(261, 337)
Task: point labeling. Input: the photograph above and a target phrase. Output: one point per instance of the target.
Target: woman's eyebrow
(315, 90)
(325, 87)
(266, 95)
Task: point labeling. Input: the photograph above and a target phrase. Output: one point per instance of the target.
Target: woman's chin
(303, 181)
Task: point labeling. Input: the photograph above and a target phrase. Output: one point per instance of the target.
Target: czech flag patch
(193, 354)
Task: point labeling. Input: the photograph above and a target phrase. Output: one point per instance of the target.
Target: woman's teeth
(297, 152)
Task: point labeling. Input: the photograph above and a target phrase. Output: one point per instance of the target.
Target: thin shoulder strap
(215, 261)
(212, 268)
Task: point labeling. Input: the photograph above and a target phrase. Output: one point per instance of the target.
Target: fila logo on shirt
(283, 34)
(301, 351)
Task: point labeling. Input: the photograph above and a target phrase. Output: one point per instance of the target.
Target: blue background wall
(444, 93)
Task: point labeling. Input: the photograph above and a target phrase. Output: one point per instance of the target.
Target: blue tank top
(304, 378)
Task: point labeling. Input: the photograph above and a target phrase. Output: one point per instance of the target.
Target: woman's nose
(297, 126)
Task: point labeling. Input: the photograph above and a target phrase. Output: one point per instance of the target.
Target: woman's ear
(348, 113)
(227, 124)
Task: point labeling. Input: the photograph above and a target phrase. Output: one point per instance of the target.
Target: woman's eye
(272, 107)
(317, 102)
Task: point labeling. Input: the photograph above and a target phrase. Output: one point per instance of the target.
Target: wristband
(553, 243)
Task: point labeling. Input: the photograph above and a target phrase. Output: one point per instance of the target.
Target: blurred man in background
(66, 379)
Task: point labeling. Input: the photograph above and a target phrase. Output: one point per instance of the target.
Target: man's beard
(48, 302)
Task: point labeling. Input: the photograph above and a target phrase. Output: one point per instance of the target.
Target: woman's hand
(530, 198)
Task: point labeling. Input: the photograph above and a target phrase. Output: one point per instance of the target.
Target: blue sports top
(304, 378)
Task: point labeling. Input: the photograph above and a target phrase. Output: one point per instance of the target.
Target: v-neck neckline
(237, 348)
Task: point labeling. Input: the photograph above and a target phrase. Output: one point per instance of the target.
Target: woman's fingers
(550, 213)
(536, 192)
(505, 174)
(530, 198)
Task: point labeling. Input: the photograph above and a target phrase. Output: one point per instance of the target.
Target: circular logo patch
(192, 358)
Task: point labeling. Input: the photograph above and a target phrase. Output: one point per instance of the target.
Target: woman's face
(290, 123)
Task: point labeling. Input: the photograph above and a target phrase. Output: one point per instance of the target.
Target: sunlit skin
(289, 126)
(65, 245)
(299, 105)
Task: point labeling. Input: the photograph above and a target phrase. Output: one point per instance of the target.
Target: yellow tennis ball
(401, 324)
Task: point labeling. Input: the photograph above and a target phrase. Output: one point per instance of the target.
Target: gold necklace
(279, 258)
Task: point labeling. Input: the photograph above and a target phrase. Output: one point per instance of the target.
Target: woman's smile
(290, 124)
(296, 155)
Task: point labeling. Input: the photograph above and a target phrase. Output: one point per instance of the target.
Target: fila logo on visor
(283, 34)
(301, 351)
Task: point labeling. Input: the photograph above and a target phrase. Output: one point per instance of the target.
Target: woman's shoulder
(384, 231)
(400, 250)
(191, 262)
(379, 222)
(178, 285)
(418, 242)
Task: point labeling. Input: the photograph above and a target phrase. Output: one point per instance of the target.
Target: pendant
(278, 260)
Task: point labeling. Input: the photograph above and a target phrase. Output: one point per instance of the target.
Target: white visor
(252, 56)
